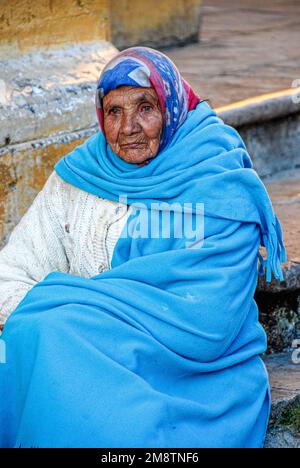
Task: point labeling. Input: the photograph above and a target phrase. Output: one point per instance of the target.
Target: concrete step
(49, 91)
(270, 127)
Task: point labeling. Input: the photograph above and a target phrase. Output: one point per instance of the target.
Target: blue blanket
(163, 350)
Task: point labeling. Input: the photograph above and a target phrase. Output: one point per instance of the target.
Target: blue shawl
(163, 349)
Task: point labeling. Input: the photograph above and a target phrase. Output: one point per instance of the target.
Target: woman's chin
(134, 157)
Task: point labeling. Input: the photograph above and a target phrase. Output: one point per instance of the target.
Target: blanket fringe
(276, 253)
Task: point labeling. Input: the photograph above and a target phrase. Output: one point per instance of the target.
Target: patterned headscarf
(146, 67)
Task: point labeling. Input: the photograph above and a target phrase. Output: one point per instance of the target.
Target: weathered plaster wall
(26, 24)
(23, 171)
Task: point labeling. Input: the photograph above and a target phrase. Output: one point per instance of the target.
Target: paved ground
(247, 48)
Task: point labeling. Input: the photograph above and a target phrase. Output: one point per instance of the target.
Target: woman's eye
(146, 108)
(113, 110)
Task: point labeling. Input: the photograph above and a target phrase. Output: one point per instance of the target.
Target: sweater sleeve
(35, 247)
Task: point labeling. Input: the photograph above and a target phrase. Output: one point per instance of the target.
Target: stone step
(284, 424)
(49, 91)
(270, 127)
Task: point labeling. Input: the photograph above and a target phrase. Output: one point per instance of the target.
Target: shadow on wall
(155, 23)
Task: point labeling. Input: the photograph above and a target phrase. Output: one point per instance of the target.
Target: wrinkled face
(133, 123)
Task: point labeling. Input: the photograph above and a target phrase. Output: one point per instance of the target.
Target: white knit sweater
(65, 229)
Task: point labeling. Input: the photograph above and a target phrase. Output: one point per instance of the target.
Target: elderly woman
(119, 332)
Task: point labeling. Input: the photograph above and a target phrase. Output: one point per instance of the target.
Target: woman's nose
(129, 124)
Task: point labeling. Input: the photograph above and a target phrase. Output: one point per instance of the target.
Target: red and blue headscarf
(145, 67)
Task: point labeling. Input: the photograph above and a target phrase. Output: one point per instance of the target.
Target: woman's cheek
(152, 126)
(111, 129)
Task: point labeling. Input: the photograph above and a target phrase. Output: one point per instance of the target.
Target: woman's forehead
(130, 94)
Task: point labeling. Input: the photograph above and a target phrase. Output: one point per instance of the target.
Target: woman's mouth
(132, 145)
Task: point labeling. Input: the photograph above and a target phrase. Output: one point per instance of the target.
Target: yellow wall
(37, 23)
(26, 24)
(22, 175)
